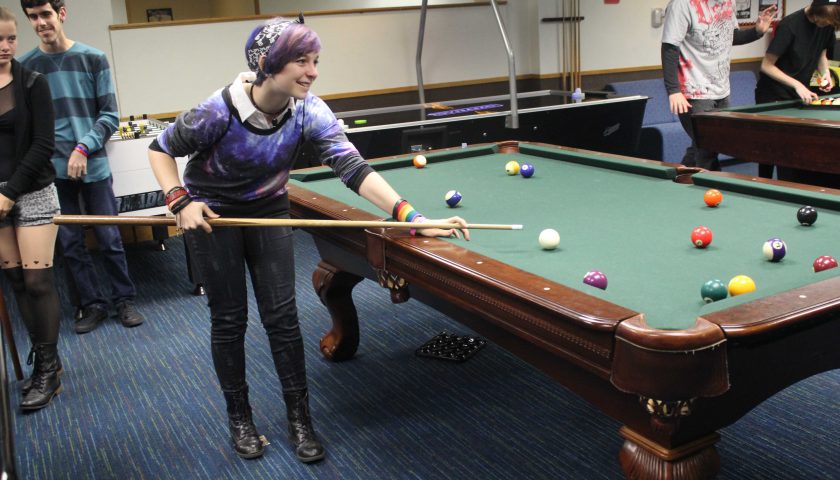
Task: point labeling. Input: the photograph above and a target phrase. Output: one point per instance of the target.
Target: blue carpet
(144, 403)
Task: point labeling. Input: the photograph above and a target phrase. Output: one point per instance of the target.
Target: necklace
(254, 103)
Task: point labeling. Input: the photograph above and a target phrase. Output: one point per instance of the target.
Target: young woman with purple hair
(242, 142)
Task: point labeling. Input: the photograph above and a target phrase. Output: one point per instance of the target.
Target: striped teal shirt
(84, 102)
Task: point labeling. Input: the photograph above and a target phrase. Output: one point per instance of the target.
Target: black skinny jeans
(221, 257)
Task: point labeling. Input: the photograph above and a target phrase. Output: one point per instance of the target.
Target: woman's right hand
(805, 94)
(678, 104)
(193, 216)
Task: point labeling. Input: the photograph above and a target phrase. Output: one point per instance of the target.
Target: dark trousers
(694, 155)
(98, 198)
(221, 258)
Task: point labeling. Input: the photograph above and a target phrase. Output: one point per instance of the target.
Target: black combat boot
(27, 384)
(307, 447)
(45, 382)
(243, 432)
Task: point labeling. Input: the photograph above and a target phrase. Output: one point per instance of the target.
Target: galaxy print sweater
(240, 169)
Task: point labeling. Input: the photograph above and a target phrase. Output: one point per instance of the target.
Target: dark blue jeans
(221, 257)
(694, 155)
(98, 198)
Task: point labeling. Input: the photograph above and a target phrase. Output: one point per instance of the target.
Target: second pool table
(647, 350)
(786, 134)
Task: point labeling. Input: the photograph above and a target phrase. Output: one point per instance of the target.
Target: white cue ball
(549, 239)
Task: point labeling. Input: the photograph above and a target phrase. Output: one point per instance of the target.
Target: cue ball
(701, 237)
(713, 290)
(453, 198)
(713, 197)
(595, 279)
(419, 161)
(741, 284)
(774, 249)
(549, 239)
(526, 170)
(824, 262)
(807, 215)
(512, 167)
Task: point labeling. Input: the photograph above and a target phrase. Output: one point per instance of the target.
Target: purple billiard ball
(595, 279)
(775, 249)
(526, 170)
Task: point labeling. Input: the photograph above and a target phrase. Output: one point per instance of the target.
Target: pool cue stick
(271, 222)
(563, 46)
(577, 42)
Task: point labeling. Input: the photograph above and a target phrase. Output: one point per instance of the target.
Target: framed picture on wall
(747, 11)
(158, 14)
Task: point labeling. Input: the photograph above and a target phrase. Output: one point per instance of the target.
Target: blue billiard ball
(453, 198)
(774, 249)
(526, 170)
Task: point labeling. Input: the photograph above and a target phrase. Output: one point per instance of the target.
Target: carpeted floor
(144, 403)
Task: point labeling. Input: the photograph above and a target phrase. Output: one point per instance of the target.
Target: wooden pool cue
(270, 222)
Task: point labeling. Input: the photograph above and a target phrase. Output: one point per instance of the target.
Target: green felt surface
(634, 227)
(791, 108)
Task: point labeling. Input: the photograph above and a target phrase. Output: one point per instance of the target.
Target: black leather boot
(45, 382)
(27, 384)
(307, 447)
(243, 432)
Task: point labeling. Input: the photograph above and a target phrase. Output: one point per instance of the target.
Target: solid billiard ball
(595, 279)
(701, 237)
(549, 239)
(526, 170)
(419, 161)
(774, 249)
(512, 167)
(453, 198)
(824, 263)
(741, 284)
(807, 215)
(713, 197)
(713, 290)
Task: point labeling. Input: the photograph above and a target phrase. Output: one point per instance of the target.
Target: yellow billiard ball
(512, 167)
(741, 284)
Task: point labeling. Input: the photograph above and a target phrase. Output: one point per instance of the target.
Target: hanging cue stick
(269, 222)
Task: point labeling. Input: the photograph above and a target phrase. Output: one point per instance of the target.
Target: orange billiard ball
(419, 161)
(713, 197)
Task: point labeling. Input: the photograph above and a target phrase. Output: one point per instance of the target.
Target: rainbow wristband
(404, 212)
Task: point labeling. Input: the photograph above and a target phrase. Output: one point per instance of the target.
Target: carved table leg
(334, 287)
(642, 459)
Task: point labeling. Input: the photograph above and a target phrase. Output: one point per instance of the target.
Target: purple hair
(295, 40)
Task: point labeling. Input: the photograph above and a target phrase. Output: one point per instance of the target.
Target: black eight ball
(807, 215)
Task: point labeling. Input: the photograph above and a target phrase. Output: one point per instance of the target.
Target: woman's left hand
(454, 232)
(6, 205)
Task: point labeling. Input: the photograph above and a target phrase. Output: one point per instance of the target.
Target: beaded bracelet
(81, 148)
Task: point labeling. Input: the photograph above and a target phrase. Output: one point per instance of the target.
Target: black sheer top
(7, 132)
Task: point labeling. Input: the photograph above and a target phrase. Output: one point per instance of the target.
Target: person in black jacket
(28, 202)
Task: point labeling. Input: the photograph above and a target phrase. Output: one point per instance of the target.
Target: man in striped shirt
(85, 117)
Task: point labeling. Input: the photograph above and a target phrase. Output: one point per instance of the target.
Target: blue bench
(662, 136)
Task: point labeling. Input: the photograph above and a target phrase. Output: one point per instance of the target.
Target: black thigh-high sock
(43, 298)
(15, 276)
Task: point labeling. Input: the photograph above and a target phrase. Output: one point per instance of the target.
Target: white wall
(168, 69)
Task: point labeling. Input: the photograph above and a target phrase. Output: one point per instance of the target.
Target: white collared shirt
(248, 113)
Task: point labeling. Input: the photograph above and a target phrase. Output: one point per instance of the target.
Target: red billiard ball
(701, 237)
(824, 263)
(713, 197)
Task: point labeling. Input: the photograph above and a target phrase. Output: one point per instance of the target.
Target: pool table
(787, 134)
(646, 350)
